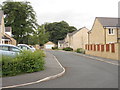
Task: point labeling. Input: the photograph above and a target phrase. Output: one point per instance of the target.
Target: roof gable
(71, 34)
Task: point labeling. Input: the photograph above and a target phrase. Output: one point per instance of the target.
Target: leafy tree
(58, 30)
(21, 17)
(40, 36)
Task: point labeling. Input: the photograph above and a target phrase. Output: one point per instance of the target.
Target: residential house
(49, 45)
(76, 39)
(2, 26)
(5, 32)
(7, 37)
(61, 44)
(104, 37)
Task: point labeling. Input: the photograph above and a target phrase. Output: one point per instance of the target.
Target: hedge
(68, 49)
(80, 50)
(25, 62)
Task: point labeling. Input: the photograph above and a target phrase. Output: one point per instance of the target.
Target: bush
(68, 49)
(54, 48)
(25, 62)
(80, 50)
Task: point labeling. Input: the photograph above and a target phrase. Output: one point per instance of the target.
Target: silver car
(25, 47)
(9, 50)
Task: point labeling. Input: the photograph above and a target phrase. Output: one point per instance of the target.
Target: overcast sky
(78, 13)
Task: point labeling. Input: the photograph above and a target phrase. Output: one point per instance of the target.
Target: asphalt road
(81, 72)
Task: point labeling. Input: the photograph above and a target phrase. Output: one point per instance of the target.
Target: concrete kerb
(92, 58)
(41, 80)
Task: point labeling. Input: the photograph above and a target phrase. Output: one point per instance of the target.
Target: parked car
(9, 50)
(25, 47)
(32, 48)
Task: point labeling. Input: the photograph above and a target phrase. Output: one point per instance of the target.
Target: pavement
(52, 68)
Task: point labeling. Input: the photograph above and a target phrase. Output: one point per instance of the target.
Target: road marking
(41, 80)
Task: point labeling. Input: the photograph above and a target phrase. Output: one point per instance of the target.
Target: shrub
(68, 49)
(54, 48)
(80, 50)
(25, 62)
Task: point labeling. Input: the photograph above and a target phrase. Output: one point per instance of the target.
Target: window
(5, 48)
(14, 49)
(111, 31)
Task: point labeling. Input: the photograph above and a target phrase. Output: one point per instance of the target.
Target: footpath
(52, 70)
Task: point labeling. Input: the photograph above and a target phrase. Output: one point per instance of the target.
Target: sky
(78, 13)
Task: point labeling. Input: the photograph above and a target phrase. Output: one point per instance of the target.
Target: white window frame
(112, 32)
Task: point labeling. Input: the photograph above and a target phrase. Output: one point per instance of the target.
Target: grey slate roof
(109, 22)
(1, 15)
(70, 34)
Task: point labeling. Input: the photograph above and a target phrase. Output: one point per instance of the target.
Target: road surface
(81, 72)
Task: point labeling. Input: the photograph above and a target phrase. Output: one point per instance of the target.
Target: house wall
(97, 33)
(79, 39)
(60, 45)
(2, 29)
(67, 43)
(111, 38)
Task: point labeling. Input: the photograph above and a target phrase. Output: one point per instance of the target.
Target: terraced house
(104, 38)
(5, 32)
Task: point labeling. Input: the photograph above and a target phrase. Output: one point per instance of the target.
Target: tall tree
(40, 36)
(58, 30)
(21, 17)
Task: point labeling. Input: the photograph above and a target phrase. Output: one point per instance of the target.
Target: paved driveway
(81, 72)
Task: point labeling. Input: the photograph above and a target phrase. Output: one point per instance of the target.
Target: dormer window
(111, 31)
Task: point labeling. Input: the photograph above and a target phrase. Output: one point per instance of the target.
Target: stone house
(5, 32)
(76, 39)
(104, 38)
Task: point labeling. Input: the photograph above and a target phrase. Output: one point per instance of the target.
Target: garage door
(49, 46)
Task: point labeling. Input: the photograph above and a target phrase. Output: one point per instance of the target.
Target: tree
(21, 17)
(58, 30)
(40, 36)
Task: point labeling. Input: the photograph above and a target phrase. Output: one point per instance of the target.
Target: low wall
(110, 51)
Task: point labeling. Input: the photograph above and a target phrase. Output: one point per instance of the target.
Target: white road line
(44, 79)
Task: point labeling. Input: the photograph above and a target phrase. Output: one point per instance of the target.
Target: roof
(70, 34)
(49, 42)
(109, 22)
(5, 37)
(1, 15)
